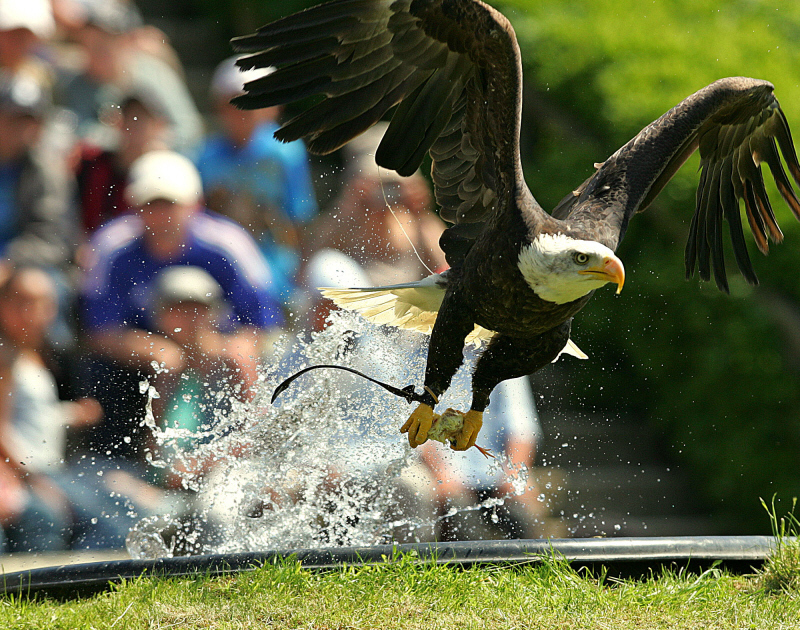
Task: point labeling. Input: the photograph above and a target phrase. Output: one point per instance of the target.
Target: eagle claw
(473, 421)
(418, 425)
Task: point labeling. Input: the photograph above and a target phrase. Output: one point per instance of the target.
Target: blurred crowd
(138, 237)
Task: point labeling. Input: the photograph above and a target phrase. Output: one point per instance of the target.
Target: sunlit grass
(403, 592)
(781, 572)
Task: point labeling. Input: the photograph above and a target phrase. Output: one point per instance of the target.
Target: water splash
(324, 466)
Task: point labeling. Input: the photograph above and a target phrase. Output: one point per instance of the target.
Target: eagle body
(452, 73)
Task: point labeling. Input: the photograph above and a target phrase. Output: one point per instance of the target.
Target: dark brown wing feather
(737, 124)
(452, 67)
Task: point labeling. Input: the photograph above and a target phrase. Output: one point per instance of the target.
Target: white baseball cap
(228, 79)
(174, 285)
(164, 175)
(35, 15)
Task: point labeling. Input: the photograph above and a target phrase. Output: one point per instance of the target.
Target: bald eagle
(518, 274)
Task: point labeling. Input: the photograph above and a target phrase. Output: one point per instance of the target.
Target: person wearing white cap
(23, 23)
(249, 176)
(169, 228)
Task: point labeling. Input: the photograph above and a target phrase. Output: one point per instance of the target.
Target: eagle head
(562, 269)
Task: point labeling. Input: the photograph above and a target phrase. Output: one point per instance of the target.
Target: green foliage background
(719, 375)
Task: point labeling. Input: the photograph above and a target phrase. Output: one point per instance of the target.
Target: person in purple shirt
(170, 228)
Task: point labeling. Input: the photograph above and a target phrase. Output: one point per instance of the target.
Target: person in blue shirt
(170, 228)
(247, 175)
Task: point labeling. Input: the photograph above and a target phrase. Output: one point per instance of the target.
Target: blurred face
(18, 133)
(165, 225)
(28, 307)
(141, 131)
(103, 52)
(15, 46)
(182, 321)
(239, 124)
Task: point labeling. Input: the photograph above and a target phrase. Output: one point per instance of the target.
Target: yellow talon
(418, 425)
(473, 421)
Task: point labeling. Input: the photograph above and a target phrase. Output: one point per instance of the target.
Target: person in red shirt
(102, 174)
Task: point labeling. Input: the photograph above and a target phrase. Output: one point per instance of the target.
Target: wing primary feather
(315, 124)
(730, 207)
(784, 137)
(296, 81)
(754, 217)
(702, 245)
(717, 246)
(293, 53)
(301, 33)
(332, 139)
(760, 206)
(764, 206)
(420, 120)
(328, 16)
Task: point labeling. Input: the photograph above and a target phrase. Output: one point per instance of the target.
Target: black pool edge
(617, 556)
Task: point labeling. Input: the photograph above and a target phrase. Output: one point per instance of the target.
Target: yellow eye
(581, 258)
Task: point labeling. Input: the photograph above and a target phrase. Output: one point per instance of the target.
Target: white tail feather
(572, 350)
(412, 306)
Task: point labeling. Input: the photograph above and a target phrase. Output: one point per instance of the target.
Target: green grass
(402, 593)
(781, 572)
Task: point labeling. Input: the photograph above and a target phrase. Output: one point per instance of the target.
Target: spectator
(102, 173)
(119, 59)
(24, 24)
(188, 304)
(34, 425)
(32, 515)
(252, 178)
(28, 519)
(37, 216)
(383, 221)
(170, 228)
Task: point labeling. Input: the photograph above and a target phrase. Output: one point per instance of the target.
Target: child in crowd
(70, 508)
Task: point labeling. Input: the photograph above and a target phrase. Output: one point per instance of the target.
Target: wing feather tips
(731, 172)
(768, 152)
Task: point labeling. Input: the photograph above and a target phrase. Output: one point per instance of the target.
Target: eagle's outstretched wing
(453, 68)
(737, 124)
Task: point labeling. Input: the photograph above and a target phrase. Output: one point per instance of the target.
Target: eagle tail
(411, 305)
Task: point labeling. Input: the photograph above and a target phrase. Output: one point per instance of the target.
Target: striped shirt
(117, 287)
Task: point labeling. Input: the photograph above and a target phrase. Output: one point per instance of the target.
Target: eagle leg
(418, 425)
(445, 354)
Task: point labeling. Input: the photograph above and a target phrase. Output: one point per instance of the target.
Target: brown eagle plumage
(452, 68)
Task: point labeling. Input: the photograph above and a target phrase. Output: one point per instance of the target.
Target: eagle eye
(581, 258)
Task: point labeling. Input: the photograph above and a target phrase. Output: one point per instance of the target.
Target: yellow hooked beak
(611, 271)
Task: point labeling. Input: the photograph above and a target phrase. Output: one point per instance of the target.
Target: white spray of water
(322, 467)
